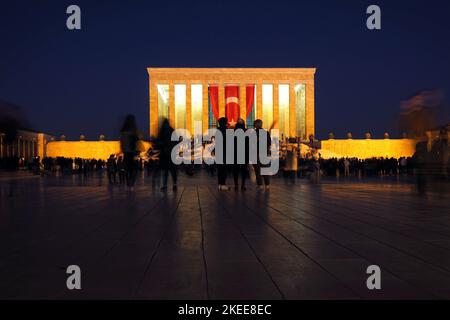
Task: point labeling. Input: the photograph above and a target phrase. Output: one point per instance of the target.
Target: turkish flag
(232, 104)
(214, 98)
(250, 94)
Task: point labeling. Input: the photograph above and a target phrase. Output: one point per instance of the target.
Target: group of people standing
(431, 157)
(241, 170)
(126, 166)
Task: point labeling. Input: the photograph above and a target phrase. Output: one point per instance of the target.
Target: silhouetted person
(346, 167)
(153, 156)
(111, 168)
(257, 124)
(239, 168)
(290, 164)
(222, 167)
(121, 170)
(426, 161)
(165, 146)
(128, 144)
(316, 167)
(85, 167)
(311, 140)
(36, 165)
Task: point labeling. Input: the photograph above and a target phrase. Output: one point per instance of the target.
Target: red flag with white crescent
(214, 98)
(232, 104)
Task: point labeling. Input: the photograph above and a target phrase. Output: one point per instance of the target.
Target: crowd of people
(115, 167)
(431, 158)
(346, 167)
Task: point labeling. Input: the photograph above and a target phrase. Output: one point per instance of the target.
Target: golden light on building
(284, 96)
(367, 148)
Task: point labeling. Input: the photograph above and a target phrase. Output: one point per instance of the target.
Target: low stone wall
(85, 149)
(367, 148)
(339, 148)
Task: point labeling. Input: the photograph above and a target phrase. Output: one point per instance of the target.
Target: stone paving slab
(296, 241)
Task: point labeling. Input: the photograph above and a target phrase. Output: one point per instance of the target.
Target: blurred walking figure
(314, 166)
(257, 124)
(240, 168)
(291, 163)
(346, 167)
(165, 146)
(316, 169)
(111, 168)
(426, 159)
(155, 168)
(121, 170)
(128, 144)
(222, 167)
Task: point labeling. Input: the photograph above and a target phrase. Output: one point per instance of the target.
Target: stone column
(276, 106)
(188, 108)
(221, 99)
(30, 148)
(292, 113)
(205, 110)
(259, 108)
(242, 101)
(41, 145)
(19, 146)
(153, 114)
(309, 108)
(172, 104)
(33, 148)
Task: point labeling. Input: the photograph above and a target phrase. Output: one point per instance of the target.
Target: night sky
(73, 82)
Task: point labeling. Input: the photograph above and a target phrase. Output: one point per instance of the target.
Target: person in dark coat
(425, 161)
(222, 167)
(121, 169)
(166, 145)
(239, 168)
(257, 124)
(111, 168)
(128, 144)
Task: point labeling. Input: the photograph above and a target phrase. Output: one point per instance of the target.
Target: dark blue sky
(75, 82)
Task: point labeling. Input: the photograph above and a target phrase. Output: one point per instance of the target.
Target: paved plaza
(302, 241)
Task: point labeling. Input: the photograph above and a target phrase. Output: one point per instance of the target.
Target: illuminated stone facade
(28, 144)
(339, 148)
(86, 149)
(83, 149)
(171, 95)
(367, 148)
(282, 96)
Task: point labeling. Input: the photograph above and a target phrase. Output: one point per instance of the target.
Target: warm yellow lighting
(300, 110)
(267, 105)
(196, 104)
(86, 149)
(367, 148)
(283, 114)
(180, 106)
(163, 102)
